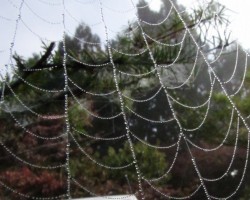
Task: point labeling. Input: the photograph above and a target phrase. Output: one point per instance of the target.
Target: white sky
(35, 13)
(240, 26)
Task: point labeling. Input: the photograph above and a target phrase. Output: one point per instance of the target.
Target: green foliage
(243, 105)
(78, 116)
(220, 98)
(152, 162)
(246, 193)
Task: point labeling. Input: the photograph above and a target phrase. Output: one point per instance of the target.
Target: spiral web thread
(70, 132)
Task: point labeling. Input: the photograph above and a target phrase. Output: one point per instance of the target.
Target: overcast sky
(240, 15)
(42, 19)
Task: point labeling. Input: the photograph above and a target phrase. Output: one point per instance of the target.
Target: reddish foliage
(45, 183)
(39, 184)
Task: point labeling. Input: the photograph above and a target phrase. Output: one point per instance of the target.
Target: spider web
(169, 79)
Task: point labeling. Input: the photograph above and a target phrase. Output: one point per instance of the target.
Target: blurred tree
(88, 71)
